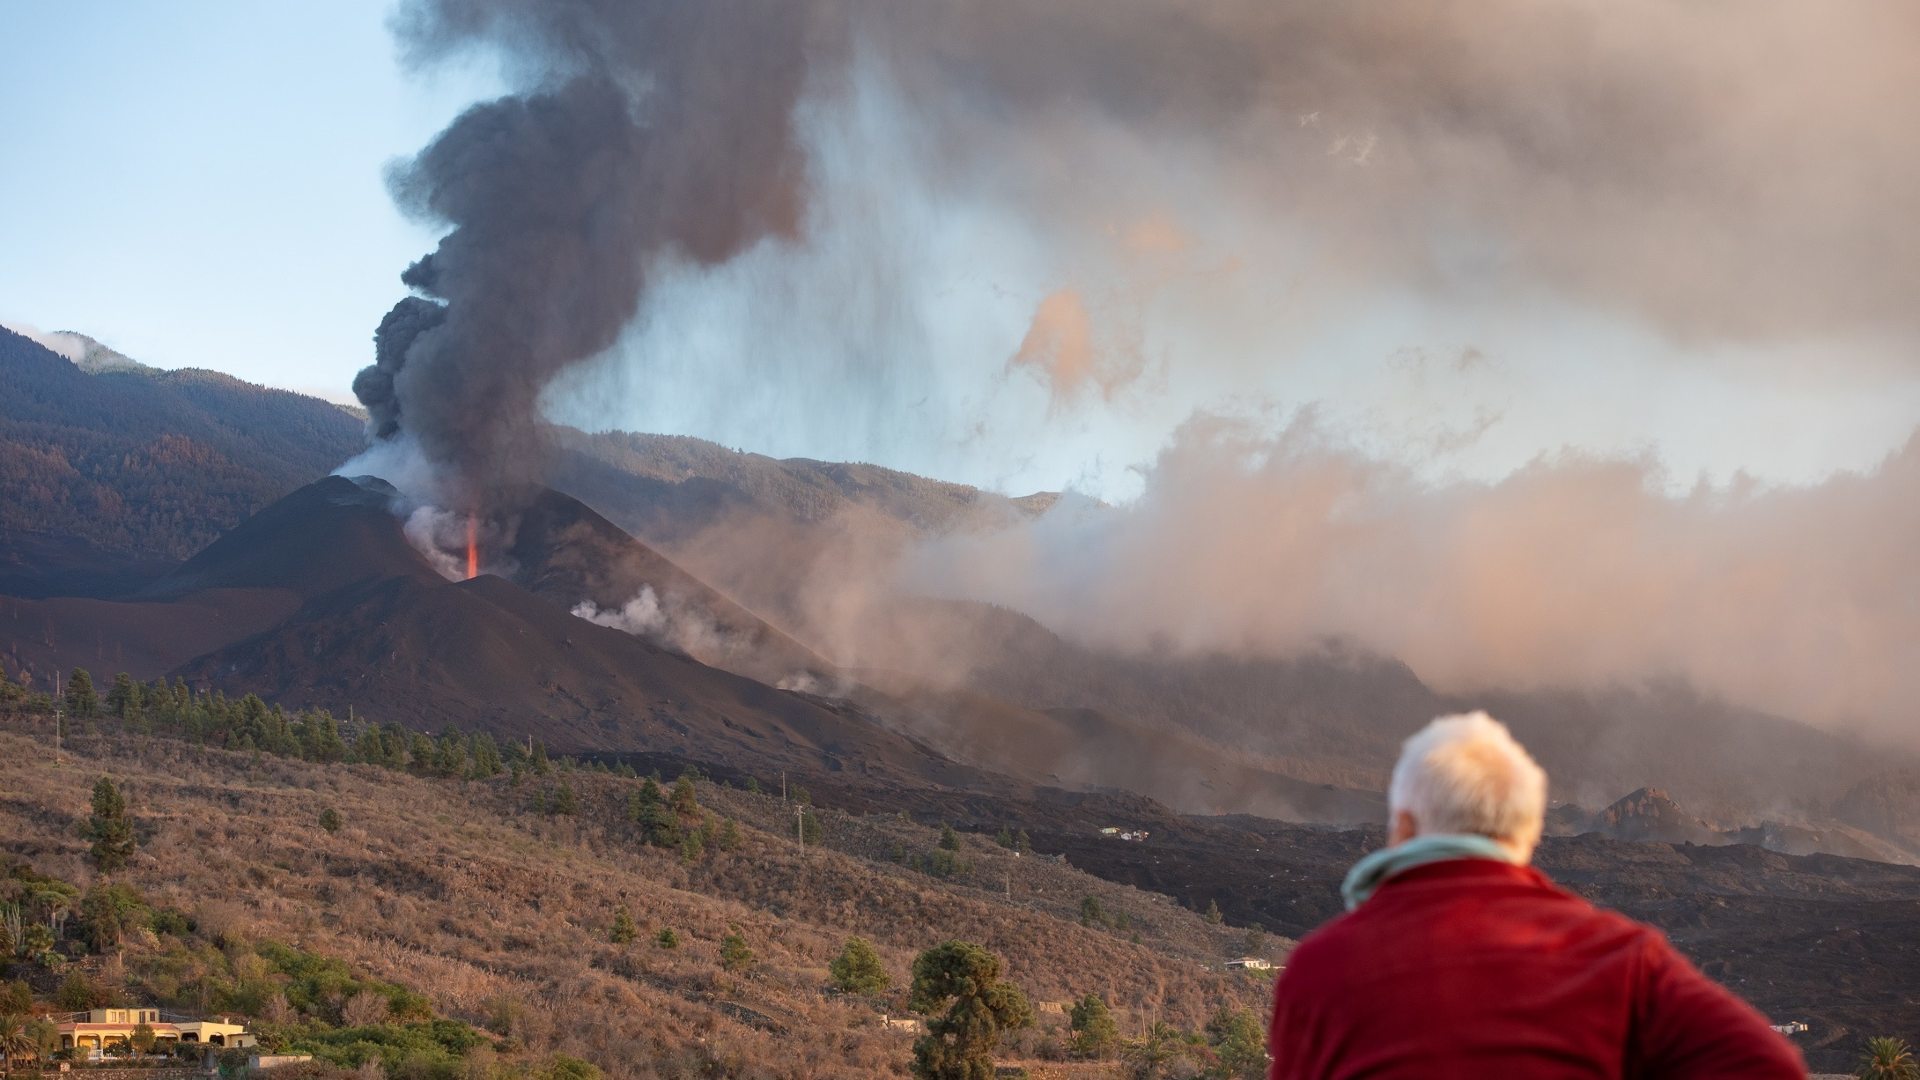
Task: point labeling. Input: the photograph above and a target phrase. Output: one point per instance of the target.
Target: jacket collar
(1368, 874)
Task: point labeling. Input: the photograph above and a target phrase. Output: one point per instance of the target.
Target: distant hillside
(143, 462)
(666, 488)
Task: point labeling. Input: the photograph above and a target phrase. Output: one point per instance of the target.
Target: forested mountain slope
(148, 463)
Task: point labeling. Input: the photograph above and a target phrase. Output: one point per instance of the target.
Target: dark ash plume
(642, 130)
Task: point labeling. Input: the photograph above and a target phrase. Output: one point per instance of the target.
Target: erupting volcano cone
(473, 547)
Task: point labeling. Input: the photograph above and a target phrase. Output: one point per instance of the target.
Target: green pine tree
(961, 981)
(1236, 1039)
(624, 931)
(123, 700)
(82, 704)
(1095, 1035)
(734, 954)
(110, 829)
(684, 801)
(858, 969)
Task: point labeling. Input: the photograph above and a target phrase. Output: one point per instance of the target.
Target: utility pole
(783, 785)
(58, 700)
(799, 825)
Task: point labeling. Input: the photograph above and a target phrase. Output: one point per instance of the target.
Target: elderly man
(1457, 959)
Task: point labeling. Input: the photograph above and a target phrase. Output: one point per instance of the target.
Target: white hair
(1467, 774)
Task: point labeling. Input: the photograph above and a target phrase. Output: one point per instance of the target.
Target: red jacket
(1478, 968)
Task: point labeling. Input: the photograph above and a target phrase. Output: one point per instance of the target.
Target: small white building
(1249, 963)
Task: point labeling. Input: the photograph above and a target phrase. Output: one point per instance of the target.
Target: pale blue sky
(199, 183)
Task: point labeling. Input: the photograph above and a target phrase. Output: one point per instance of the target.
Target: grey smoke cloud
(637, 129)
(1574, 572)
(868, 205)
(1245, 197)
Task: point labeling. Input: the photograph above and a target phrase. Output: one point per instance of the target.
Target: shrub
(858, 969)
(623, 931)
(666, 938)
(1094, 1033)
(734, 953)
(330, 820)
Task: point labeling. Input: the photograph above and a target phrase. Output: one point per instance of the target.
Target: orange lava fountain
(473, 547)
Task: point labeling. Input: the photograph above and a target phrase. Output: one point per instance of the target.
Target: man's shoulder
(1502, 896)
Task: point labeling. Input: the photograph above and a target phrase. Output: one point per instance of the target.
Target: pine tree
(1093, 913)
(692, 848)
(564, 801)
(1094, 1033)
(1213, 912)
(123, 700)
(109, 828)
(330, 820)
(858, 970)
(1239, 1043)
(962, 981)
(949, 839)
(729, 838)
(666, 938)
(734, 954)
(624, 931)
(81, 702)
(684, 800)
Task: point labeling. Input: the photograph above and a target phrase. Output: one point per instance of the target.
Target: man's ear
(1402, 828)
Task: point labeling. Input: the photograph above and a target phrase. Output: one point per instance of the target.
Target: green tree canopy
(1239, 1043)
(108, 912)
(81, 700)
(123, 700)
(1095, 1035)
(109, 827)
(734, 953)
(624, 931)
(858, 969)
(962, 979)
(684, 800)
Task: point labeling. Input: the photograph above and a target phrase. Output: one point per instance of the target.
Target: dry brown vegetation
(500, 914)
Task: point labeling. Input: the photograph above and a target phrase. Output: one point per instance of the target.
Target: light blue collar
(1368, 873)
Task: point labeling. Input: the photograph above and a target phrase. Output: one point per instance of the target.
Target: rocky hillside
(497, 900)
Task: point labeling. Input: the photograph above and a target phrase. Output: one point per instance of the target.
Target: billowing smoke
(1014, 207)
(639, 130)
(865, 227)
(1574, 572)
(859, 209)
